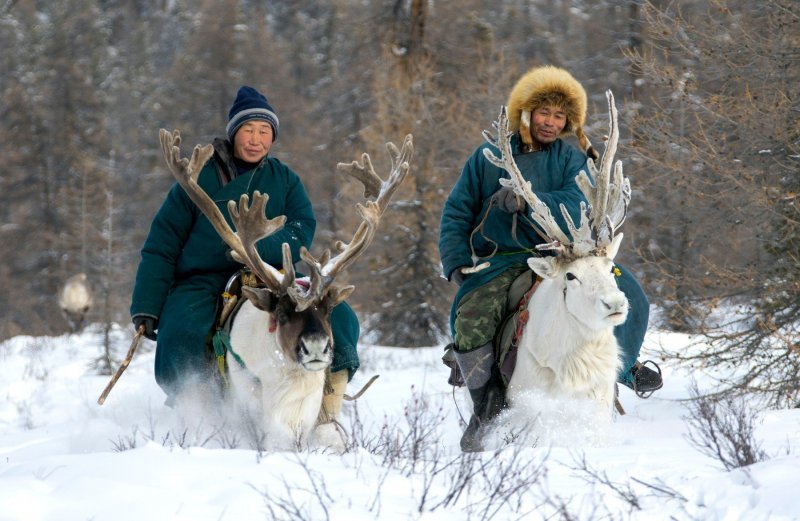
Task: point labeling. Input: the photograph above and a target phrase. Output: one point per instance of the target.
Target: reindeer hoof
(330, 436)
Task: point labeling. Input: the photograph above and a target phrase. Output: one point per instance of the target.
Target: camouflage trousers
(481, 311)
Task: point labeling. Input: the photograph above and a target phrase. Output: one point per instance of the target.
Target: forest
(709, 100)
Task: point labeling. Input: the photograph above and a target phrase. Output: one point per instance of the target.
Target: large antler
(252, 225)
(608, 197)
(325, 269)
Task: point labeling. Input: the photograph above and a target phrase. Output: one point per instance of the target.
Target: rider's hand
(150, 325)
(508, 201)
(457, 277)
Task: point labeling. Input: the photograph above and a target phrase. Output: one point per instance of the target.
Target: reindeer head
(299, 309)
(304, 336)
(588, 286)
(583, 267)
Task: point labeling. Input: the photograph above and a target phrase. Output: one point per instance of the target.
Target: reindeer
(567, 348)
(282, 333)
(75, 300)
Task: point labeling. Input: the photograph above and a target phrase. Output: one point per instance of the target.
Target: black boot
(485, 389)
(487, 402)
(643, 380)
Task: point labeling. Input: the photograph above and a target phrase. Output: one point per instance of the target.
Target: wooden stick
(136, 338)
(362, 391)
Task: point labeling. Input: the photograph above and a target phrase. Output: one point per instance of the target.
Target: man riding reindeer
(185, 265)
(484, 243)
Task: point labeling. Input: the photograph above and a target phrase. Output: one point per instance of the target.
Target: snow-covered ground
(63, 457)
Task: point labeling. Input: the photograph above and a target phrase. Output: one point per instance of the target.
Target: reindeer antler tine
(364, 173)
(407, 150)
(288, 266)
(326, 256)
(610, 193)
(200, 155)
(394, 153)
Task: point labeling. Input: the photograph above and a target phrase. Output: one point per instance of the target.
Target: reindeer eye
(570, 276)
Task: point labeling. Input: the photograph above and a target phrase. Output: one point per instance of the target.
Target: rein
(480, 228)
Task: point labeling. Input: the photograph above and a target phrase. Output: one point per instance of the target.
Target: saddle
(228, 304)
(508, 334)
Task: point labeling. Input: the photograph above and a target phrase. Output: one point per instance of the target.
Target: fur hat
(250, 104)
(548, 85)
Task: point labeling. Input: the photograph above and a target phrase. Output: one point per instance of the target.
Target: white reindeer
(282, 333)
(75, 300)
(568, 349)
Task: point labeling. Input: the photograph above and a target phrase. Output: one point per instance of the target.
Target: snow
(63, 457)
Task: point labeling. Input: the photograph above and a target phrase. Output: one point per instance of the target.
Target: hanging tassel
(221, 342)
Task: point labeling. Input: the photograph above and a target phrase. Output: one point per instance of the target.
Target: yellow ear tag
(617, 272)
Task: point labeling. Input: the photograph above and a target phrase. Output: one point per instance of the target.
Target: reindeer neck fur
(289, 395)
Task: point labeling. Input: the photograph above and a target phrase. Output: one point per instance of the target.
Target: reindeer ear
(337, 294)
(613, 248)
(545, 267)
(261, 298)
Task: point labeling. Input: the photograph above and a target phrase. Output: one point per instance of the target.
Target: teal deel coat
(184, 267)
(552, 174)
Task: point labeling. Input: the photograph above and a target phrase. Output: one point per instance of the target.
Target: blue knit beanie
(250, 104)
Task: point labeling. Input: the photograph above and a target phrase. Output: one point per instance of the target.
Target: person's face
(547, 123)
(252, 141)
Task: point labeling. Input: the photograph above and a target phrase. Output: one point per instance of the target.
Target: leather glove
(507, 200)
(457, 277)
(150, 325)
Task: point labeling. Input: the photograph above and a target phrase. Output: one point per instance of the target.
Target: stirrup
(650, 381)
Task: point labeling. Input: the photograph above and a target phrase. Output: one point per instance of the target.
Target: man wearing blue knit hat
(185, 266)
(250, 105)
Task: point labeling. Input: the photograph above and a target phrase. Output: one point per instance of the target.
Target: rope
(458, 410)
(477, 229)
(514, 220)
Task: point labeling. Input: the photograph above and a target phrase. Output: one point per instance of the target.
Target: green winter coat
(552, 174)
(185, 266)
